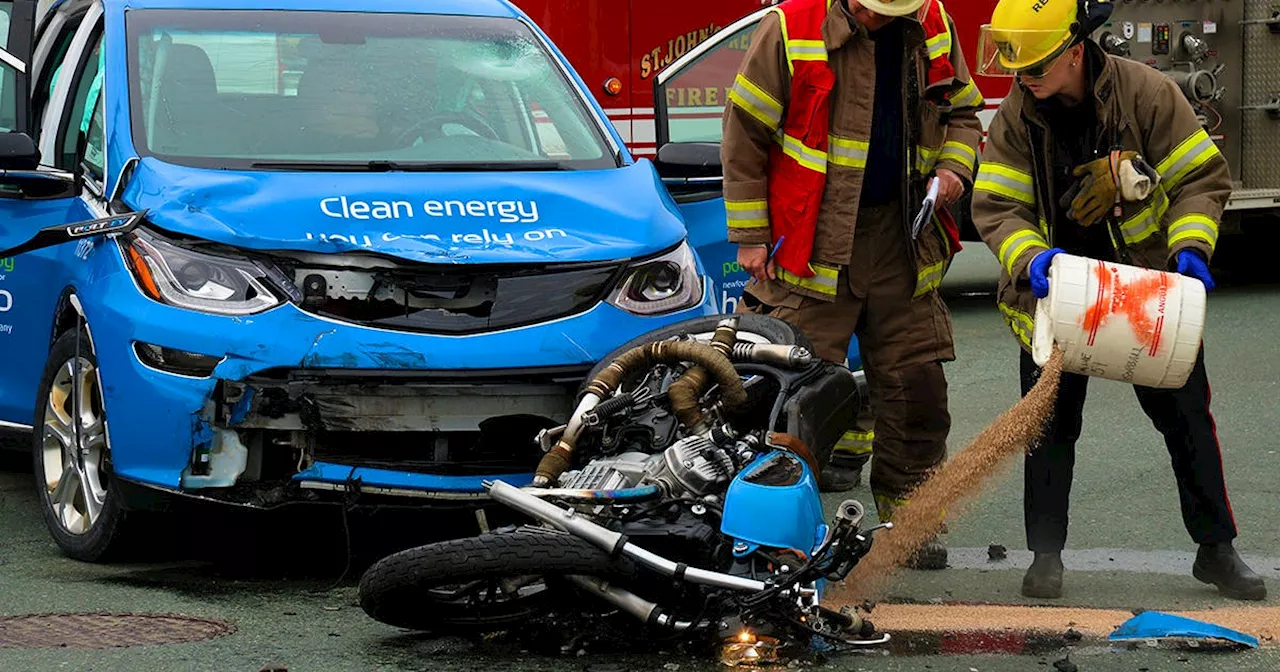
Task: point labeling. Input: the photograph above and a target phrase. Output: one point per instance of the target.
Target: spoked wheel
(72, 458)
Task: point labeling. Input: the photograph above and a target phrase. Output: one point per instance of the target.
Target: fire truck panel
(1225, 56)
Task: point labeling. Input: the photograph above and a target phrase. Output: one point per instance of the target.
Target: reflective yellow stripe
(967, 96)
(808, 157)
(1186, 157)
(1016, 244)
(856, 443)
(926, 158)
(747, 214)
(1142, 225)
(782, 23)
(885, 505)
(806, 50)
(930, 277)
(1005, 181)
(1191, 226)
(848, 153)
(939, 45)
(1021, 323)
(960, 153)
(754, 101)
(825, 279)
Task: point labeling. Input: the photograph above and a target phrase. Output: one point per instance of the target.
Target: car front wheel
(72, 458)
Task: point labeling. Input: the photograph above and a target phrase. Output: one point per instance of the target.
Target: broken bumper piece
(342, 478)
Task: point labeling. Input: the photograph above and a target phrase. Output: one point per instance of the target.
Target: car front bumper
(299, 403)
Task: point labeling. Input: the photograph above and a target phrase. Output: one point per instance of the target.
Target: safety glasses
(1039, 70)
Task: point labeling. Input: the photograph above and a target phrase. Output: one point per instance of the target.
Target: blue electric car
(266, 252)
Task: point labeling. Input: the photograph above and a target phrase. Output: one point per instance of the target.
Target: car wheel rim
(74, 447)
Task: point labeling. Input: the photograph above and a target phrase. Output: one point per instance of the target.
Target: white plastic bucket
(1120, 322)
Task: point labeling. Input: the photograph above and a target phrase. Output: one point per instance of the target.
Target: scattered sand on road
(1261, 622)
(951, 485)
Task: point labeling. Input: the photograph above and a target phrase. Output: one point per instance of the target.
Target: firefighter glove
(1039, 272)
(1192, 264)
(1099, 187)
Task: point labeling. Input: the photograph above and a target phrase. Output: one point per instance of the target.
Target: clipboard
(926, 209)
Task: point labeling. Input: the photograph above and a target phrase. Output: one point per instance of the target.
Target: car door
(689, 100)
(48, 193)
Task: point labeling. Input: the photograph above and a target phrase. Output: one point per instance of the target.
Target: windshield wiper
(379, 166)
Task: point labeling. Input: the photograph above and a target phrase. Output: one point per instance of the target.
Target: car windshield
(348, 90)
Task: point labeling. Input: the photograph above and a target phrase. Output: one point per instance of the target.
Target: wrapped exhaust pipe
(711, 363)
(568, 520)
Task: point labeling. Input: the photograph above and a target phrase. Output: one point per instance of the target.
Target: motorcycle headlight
(662, 284)
(195, 280)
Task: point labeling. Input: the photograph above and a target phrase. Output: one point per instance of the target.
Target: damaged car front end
(391, 272)
(309, 373)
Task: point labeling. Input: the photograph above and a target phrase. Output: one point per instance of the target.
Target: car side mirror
(18, 152)
(689, 160)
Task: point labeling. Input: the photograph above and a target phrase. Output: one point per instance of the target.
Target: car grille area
(468, 426)
(451, 300)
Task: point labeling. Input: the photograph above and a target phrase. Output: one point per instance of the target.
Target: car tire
(762, 327)
(82, 508)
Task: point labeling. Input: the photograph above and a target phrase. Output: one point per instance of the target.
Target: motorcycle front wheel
(490, 582)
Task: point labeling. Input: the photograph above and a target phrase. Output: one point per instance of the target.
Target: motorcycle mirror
(64, 233)
(850, 511)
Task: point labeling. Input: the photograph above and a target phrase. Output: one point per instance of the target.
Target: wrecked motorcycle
(682, 492)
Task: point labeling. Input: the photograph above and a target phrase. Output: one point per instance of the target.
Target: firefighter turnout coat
(1139, 109)
(770, 122)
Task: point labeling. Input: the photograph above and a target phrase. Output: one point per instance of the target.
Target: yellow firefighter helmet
(1026, 35)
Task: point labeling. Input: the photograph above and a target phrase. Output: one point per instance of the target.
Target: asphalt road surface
(286, 582)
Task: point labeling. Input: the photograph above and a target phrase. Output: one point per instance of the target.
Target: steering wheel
(433, 125)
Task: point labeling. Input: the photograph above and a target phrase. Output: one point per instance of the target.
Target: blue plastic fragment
(1157, 625)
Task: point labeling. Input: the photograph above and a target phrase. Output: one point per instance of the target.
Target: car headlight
(194, 280)
(662, 284)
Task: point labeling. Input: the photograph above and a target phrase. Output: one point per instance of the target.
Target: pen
(775, 248)
(772, 252)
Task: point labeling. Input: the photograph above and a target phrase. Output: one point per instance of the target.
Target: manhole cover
(106, 631)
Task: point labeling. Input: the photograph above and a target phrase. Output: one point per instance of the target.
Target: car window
(88, 89)
(8, 77)
(242, 89)
(695, 96)
(95, 149)
(42, 91)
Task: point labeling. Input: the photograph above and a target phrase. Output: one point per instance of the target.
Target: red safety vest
(798, 160)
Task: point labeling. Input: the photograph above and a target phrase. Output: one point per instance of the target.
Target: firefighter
(1101, 157)
(841, 114)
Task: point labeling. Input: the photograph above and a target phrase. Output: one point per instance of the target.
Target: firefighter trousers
(1182, 416)
(904, 340)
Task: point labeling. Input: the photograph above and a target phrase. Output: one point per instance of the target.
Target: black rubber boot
(1220, 565)
(839, 479)
(1044, 578)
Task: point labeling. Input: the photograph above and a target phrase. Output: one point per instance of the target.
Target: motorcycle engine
(693, 465)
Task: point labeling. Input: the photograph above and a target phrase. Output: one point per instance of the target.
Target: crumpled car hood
(464, 218)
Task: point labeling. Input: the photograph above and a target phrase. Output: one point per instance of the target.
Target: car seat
(187, 117)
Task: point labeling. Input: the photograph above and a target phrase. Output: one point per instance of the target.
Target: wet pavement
(277, 591)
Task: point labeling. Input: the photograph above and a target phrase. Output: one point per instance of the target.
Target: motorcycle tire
(772, 329)
(407, 589)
